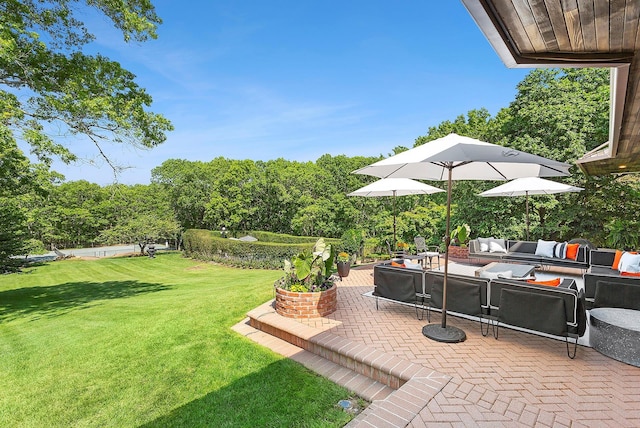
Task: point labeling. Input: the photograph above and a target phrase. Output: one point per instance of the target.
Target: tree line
(559, 114)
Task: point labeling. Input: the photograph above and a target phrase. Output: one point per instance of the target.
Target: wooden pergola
(577, 33)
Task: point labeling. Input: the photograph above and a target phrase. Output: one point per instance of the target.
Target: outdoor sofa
(558, 311)
(554, 253)
(607, 287)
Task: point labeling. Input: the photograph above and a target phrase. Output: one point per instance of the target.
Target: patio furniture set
(499, 294)
(558, 311)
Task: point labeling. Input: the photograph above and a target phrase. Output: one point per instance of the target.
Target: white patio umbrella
(455, 157)
(530, 186)
(395, 187)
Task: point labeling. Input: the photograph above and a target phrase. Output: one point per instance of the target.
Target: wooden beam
(588, 25)
(556, 18)
(631, 16)
(530, 25)
(543, 19)
(572, 21)
(616, 24)
(601, 11)
(511, 25)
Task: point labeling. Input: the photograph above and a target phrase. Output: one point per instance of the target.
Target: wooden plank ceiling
(577, 33)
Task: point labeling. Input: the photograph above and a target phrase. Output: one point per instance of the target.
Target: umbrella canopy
(467, 159)
(395, 187)
(455, 157)
(530, 186)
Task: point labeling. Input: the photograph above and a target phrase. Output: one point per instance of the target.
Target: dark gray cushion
(527, 247)
(397, 284)
(533, 311)
(614, 293)
(602, 258)
(462, 296)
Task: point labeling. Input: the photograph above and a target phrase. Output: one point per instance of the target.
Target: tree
(559, 113)
(47, 82)
(142, 230)
(189, 186)
(18, 178)
(72, 213)
(139, 214)
(13, 234)
(477, 124)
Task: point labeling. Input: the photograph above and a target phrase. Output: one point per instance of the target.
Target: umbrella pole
(447, 242)
(442, 333)
(394, 221)
(527, 205)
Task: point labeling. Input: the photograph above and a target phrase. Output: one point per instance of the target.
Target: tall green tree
(189, 186)
(562, 114)
(47, 81)
(18, 178)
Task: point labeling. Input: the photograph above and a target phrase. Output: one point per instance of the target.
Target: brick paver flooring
(518, 380)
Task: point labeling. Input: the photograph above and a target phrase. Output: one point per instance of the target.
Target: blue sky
(297, 79)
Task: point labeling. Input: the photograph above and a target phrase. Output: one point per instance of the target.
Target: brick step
(398, 389)
(359, 384)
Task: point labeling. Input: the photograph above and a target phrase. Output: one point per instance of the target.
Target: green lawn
(138, 341)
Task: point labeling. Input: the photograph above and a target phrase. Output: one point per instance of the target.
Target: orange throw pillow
(629, 273)
(616, 259)
(572, 251)
(551, 282)
(394, 264)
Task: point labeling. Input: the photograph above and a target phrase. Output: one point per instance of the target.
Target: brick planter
(458, 252)
(292, 304)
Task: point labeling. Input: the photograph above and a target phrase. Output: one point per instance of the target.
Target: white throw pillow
(629, 262)
(497, 246)
(484, 244)
(411, 265)
(545, 248)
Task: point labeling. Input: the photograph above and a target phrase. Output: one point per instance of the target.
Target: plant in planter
(458, 246)
(343, 261)
(307, 289)
(460, 235)
(309, 271)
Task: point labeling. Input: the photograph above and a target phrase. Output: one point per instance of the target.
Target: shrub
(208, 245)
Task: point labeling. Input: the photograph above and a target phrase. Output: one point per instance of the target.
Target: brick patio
(518, 380)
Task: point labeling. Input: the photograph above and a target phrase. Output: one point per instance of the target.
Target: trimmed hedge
(264, 254)
(281, 238)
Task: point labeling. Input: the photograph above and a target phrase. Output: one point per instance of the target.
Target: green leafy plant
(309, 271)
(460, 235)
(620, 235)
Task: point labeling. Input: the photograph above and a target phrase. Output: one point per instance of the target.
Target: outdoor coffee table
(518, 271)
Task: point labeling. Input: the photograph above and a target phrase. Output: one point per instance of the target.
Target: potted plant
(307, 289)
(344, 264)
(458, 246)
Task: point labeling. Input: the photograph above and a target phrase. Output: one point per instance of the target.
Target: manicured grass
(139, 341)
